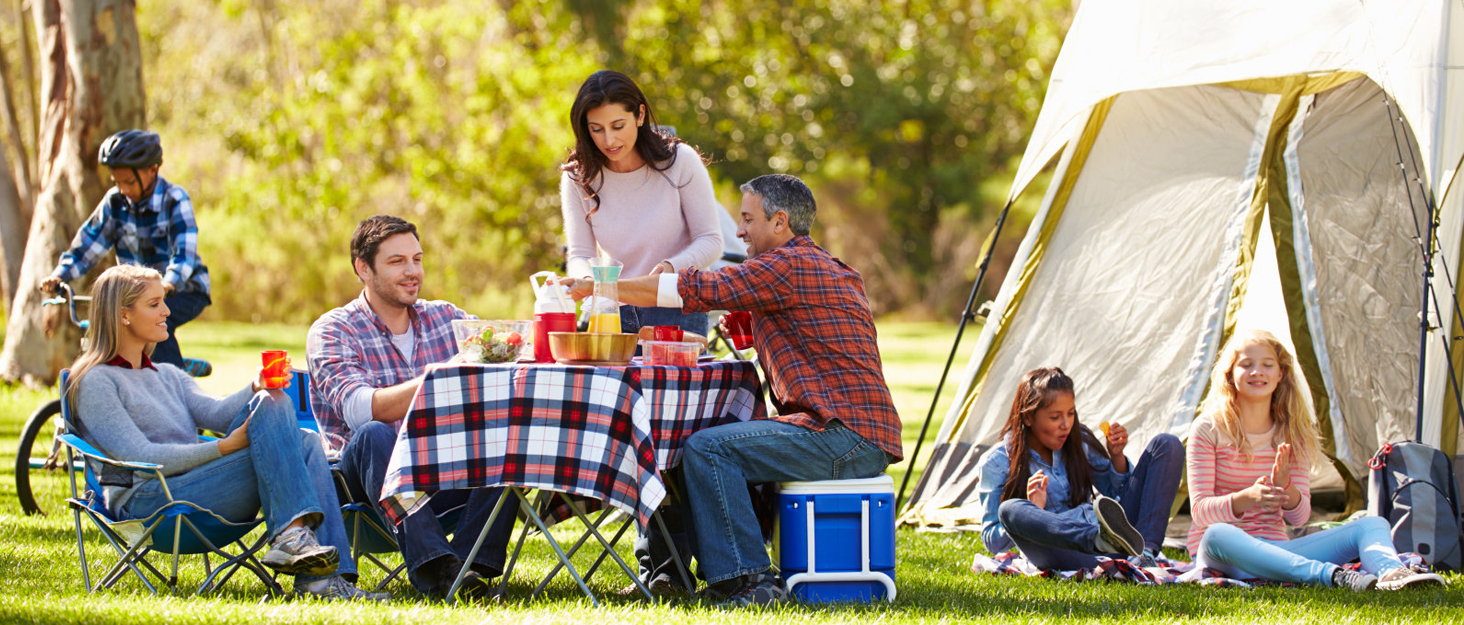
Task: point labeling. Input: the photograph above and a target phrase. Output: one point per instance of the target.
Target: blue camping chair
(369, 535)
(179, 528)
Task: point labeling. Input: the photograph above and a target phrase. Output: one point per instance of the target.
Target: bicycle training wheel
(39, 483)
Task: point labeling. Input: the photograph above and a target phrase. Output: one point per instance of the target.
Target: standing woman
(1036, 485)
(1250, 454)
(635, 195)
(139, 411)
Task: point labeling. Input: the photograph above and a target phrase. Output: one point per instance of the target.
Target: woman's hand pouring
(579, 288)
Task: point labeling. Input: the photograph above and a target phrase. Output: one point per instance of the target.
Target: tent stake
(966, 317)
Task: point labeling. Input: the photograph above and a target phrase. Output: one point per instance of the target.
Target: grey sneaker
(1343, 577)
(1115, 534)
(1146, 560)
(765, 591)
(336, 588)
(295, 552)
(1406, 576)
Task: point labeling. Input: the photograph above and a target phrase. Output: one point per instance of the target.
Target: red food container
(544, 323)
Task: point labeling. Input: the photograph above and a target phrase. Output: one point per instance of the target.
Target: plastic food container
(493, 340)
(671, 353)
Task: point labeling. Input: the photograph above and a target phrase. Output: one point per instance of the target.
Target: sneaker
(443, 573)
(765, 591)
(1147, 561)
(295, 552)
(720, 591)
(1358, 581)
(660, 588)
(197, 368)
(336, 588)
(1115, 534)
(1405, 576)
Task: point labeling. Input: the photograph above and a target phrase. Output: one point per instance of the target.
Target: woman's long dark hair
(1036, 391)
(586, 160)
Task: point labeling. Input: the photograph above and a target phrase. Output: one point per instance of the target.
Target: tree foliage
(290, 122)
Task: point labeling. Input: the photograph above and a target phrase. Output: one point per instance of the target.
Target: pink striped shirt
(1217, 470)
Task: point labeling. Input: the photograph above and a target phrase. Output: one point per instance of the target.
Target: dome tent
(1178, 127)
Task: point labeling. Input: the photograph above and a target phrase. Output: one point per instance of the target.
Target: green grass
(42, 583)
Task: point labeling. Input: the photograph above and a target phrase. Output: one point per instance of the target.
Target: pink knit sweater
(1217, 470)
(645, 217)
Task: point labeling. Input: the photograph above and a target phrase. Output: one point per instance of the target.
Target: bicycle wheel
(39, 485)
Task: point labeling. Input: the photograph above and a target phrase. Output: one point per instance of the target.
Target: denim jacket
(994, 467)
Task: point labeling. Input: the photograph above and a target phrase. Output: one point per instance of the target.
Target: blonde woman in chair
(136, 410)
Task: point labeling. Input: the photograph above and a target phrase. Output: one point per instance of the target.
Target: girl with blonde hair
(1250, 455)
(139, 411)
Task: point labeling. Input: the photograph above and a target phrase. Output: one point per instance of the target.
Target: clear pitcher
(604, 307)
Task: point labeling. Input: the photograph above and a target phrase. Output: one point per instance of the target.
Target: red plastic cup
(544, 323)
(276, 372)
(667, 333)
(739, 328)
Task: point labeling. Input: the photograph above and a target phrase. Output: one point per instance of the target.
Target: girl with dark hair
(631, 193)
(1036, 484)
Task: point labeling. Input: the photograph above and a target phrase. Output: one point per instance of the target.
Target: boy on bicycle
(149, 221)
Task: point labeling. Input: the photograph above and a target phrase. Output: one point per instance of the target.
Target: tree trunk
(28, 72)
(21, 174)
(91, 84)
(12, 233)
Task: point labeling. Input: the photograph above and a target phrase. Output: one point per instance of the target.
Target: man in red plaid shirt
(367, 360)
(815, 339)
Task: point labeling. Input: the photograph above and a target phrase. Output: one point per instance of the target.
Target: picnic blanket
(1116, 569)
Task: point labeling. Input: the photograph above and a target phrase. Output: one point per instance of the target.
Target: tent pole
(1422, 343)
(1427, 245)
(1428, 272)
(966, 317)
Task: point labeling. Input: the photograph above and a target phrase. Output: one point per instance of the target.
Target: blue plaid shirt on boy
(160, 233)
(349, 348)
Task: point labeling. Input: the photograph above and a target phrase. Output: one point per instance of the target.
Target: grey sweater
(151, 416)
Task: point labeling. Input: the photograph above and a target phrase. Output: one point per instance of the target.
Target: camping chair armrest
(84, 448)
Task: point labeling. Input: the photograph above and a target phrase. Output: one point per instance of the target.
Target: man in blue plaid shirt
(149, 221)
(367, 360)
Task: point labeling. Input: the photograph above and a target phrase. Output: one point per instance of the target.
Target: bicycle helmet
(134, 149)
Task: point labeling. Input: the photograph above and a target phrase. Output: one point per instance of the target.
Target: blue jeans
(282, 473)
(633, 318)
(720, 462)
(1065, 542)
(1308, 560)
(420, 536)
(182, 308)
(650, 549)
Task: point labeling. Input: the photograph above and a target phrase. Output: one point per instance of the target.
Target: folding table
(600, 434)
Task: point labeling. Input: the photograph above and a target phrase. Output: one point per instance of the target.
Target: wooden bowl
(592, 348)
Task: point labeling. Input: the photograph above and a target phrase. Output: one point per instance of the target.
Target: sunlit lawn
(38, 554)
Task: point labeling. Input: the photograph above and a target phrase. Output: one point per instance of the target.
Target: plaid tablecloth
(599, 432)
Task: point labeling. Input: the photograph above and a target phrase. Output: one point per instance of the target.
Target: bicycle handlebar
(69, 298)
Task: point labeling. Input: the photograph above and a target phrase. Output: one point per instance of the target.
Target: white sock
(1102, 545)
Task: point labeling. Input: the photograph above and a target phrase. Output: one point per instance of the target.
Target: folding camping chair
(181, 527)
(369, 535)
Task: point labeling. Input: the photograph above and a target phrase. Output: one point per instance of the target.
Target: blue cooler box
(835, 540)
